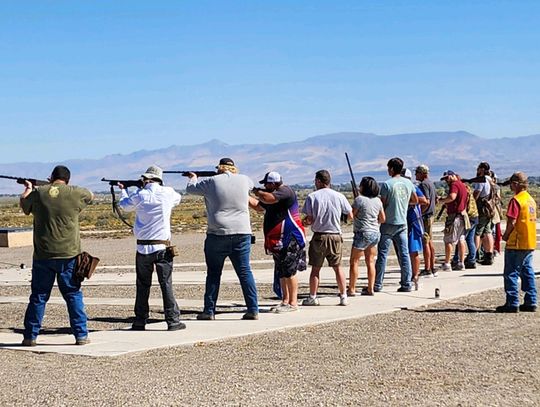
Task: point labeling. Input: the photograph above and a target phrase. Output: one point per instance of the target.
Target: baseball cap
(519, 177)
(226, 161)
(447, 173)
(270, 177)
(405, 172)
(422, 169)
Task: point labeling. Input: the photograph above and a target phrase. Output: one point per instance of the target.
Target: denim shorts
(363, 240)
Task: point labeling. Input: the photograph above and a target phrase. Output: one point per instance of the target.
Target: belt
(326, 233)
(150, 242)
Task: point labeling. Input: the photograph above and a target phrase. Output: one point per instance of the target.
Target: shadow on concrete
(453, 310)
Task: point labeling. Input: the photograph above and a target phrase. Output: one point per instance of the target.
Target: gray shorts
(454, 229)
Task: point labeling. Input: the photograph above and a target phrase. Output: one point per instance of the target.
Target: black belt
(150, 242)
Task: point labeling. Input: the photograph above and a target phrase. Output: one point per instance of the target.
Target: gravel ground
(122, 251)
(453, 353)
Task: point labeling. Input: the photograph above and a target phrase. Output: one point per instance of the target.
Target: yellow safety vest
(523, 237)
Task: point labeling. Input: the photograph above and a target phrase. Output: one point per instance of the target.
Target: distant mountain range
(298, 161)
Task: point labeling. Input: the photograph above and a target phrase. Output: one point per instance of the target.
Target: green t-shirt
(56, 211)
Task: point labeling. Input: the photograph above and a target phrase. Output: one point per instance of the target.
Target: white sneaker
(287, 308)
(446, 267)
(310, 301)
(343, 301)
(276, 308)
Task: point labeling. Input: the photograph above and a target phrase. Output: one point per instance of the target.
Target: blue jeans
(398, 235)
(44, 273)
(237, 248)
(518, 263)
(471, 245)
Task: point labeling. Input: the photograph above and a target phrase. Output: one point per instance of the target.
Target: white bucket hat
(153, 172)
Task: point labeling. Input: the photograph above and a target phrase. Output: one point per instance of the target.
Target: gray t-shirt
(326, 206)
(367, 216)
(428, 188)
(226, 197)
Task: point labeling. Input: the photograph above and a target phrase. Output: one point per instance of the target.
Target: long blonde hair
(230, 168)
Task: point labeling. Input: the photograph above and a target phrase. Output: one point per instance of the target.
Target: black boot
(488, 259)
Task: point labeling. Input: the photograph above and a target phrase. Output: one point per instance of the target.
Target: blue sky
(83, 79)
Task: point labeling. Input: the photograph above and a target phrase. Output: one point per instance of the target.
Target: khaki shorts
(428, 229)
(454, 229)
(327, 246)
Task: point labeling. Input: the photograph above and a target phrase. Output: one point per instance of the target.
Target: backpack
(487, 204)
(472, 209)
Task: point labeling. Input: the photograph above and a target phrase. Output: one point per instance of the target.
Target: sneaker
(311, 301)
(404, 290)
(528, 307)
(454, 263)
(445, 267)
(82, 341)
(426, 273)
(365, 291)
(287, 308)
(138, 327)
(343, 301)
(458, 266)
(276, 308)
(250, 316)
(434, 273)
(28, 342)
(176, 327)
(205, 317)
(507, 309)
(469, 265)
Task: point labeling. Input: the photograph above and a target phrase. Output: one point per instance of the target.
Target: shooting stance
(153, 205)
(520, 238)
(228, 234)
(56, 209)
(284, 236)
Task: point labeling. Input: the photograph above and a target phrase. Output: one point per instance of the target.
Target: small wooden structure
(16, 237)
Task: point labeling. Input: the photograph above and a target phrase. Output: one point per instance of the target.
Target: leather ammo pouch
(171, 250)
(85, 265)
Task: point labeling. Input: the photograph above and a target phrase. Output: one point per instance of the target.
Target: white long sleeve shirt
(153, 206)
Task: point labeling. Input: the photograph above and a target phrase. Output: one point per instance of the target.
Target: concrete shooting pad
(227, 325)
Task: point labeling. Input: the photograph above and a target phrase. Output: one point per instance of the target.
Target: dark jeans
(44, 273)
(519, 263)
(163, 263)
(237, 249)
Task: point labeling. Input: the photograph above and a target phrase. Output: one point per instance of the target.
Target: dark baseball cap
(447, 173)
(226, 161)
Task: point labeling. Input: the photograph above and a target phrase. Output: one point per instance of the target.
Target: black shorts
(289, 260)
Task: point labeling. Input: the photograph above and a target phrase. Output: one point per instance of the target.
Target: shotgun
(197, 173)
(22, 180)
(353, 181)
